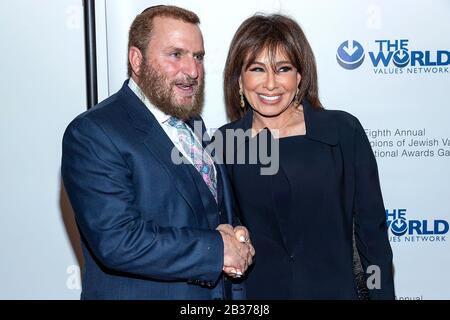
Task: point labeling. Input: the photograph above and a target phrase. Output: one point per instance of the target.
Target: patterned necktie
(201, 160)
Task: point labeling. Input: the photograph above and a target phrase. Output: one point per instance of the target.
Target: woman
(323, 206)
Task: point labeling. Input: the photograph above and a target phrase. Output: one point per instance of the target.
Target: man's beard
(159, 90)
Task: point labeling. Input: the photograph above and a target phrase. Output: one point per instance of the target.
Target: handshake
(238, 250)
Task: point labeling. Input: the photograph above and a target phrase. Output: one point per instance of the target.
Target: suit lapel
(160, 146)
(223, 183)
(207, 197)
(319, 125)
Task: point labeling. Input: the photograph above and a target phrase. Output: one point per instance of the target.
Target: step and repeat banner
(386, 62)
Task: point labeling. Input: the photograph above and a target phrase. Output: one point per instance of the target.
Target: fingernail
(242, 238)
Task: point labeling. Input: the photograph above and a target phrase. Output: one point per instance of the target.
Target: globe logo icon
(399, 227)
(350, 54)
(401, 58)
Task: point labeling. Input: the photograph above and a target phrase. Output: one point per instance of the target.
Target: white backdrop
(403, 95)
(43, 88)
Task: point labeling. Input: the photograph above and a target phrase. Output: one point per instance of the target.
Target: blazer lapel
(319, 125)
(222, 186)
(160, 146)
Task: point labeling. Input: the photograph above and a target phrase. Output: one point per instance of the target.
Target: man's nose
(191, 67)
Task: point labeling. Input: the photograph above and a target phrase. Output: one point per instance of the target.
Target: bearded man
(152, 227)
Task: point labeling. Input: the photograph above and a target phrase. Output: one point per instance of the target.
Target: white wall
(42, 88)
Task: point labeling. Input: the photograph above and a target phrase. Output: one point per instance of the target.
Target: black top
(301, 218)
(296, 222)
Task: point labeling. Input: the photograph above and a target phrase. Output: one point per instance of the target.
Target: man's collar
(160, 116)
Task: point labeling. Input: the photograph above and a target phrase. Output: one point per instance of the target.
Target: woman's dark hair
(272, 32)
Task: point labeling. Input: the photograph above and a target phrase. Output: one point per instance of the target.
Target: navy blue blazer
(147, 225)
(359, 192)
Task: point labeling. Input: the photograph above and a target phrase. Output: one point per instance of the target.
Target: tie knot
(176, 123)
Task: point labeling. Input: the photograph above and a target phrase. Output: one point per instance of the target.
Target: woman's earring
(296, 99)
(241, 93)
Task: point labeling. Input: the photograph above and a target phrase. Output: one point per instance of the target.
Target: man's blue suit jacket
(147, 225)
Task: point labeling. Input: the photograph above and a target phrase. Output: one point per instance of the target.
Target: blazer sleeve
(99, 185)
(370, 220)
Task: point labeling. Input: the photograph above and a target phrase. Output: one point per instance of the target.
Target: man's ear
(135, 57)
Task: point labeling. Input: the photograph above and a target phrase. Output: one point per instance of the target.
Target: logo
(401, 58)
(393, 57)
(350, 54)
(399, 226)
(409, 230)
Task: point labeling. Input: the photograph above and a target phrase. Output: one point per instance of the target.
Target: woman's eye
(256, 69)
(285, 69)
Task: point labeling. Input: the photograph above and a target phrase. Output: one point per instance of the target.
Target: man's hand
(238, 250)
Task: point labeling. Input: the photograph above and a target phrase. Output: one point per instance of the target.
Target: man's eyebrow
(172, 48)
(184, 51)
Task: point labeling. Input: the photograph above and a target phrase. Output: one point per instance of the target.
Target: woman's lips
(269, 99)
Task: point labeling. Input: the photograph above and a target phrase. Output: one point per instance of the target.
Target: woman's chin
(269, 112)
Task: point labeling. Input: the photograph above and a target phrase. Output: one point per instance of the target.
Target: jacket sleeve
(370, 221)
(99, 185)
